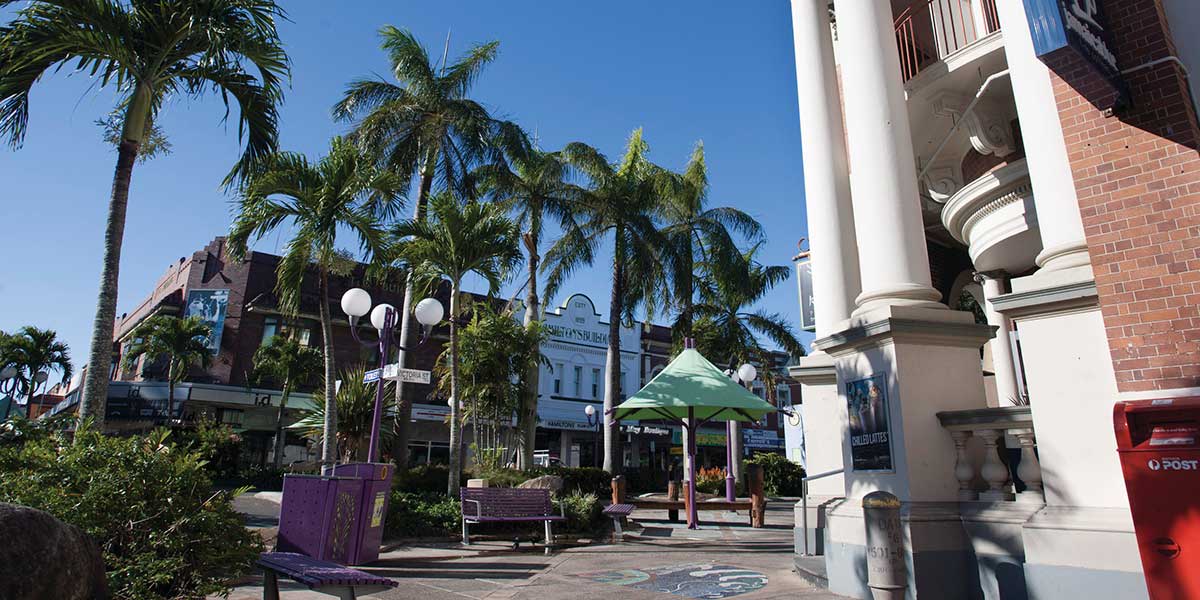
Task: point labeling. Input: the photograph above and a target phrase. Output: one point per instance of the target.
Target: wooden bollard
(618, 489)
(758, 500)
(673, 495)
(687, 501)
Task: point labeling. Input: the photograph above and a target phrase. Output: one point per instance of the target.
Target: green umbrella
(692, 391)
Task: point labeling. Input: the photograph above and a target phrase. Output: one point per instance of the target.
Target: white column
(1003, 361)
(883, 177)
(826, 175)
(1063, 243)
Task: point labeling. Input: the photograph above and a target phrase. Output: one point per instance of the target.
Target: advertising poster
(870, 429)
(808, 318)
(210, 306)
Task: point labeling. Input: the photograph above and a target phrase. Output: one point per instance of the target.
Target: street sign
(372, 375)
(393, 372)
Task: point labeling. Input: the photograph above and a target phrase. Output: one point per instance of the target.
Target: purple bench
(507, 505)
(618, 513)
(319, 575)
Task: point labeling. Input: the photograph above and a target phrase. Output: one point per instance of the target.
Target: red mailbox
(1159, 445)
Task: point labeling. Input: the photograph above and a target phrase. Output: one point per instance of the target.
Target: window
(299, 330)
(595, 383)
(230, 416)
(578, 382)
(558, 375)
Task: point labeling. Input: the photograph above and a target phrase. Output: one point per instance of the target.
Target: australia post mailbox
(1159, 445)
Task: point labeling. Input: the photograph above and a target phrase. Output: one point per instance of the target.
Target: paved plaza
(658, 559)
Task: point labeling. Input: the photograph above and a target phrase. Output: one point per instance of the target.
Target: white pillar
(883, 176)
(1063, 243)
(826, 175)
(1003, 361)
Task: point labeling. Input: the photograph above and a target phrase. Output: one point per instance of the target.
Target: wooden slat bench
(319, 575)
(507, 505)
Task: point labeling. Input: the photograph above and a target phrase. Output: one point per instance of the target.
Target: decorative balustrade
(930, 30)
(983, 467)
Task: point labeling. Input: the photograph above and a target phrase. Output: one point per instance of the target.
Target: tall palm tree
(624, 200)
(698, 235)
(35, 352)
(454, 240)
(534, 186)
(344, 191)
(425, 124)
(149, 51)
(287, 363)
(355, 405)
(182, 342)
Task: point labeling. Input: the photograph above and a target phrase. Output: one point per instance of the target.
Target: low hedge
(423, 515)
(781, 477)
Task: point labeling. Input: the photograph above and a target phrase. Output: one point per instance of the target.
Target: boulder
(553, 483)
(43, 558)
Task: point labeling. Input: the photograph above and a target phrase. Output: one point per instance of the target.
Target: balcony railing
(985, 470)
(930, 30)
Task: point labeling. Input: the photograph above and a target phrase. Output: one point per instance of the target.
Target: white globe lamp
(589, 410)
(356, 302)
(379, 313)
(429, 312)
(747, 373)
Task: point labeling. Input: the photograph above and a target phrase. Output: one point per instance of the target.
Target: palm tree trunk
(455, 430)
(612, 460)
(403, 425)
(329, 454)
(529, 416)
(95, 385)
(279, 439)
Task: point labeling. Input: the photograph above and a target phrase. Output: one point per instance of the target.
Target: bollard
(618, 489)
(758, 500)
(887, 575)
(673, 496)
(477, 483)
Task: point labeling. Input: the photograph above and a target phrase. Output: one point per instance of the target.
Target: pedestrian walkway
(658, 560)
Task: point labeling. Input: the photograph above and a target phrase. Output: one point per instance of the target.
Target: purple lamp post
(356, 303)
(594, 420)
(745, 374)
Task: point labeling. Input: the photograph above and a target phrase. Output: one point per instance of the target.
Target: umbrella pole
(693, 514)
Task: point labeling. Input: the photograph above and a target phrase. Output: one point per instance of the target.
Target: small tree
(182, 342)
(355, 405)
(287, 363)
(34, 351)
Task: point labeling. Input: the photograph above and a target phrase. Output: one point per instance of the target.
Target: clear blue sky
(710, 70)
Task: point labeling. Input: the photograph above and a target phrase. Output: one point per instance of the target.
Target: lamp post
(745, 374)
(594, 421)
(356, 303)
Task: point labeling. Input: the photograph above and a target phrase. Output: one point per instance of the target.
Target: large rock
(553, 483)
(42, 558)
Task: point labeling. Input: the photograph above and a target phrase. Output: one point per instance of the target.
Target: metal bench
(320, 576)
(618, 513)
(507, 505)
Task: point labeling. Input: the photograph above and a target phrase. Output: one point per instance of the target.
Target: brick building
(1035, 160)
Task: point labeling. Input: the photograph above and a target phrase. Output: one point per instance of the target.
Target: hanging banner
(870, 426)
(210, 306)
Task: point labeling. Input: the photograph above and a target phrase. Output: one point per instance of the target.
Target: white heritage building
(1039, 158)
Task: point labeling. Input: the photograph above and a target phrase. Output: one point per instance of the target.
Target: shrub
(422, 479)
(587, 480)
(710, 480)
(146, 501)
(423, 515)
(781, 477)
(217, 444)
(504, 478)
(583, 512)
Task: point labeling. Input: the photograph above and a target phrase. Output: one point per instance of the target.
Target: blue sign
(372, 376)
(210, 306)
(1077, 27)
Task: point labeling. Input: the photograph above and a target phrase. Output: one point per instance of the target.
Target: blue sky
(721, 72)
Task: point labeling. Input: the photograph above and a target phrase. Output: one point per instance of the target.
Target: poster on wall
(210, 306)
(870, 429)
(808, 318)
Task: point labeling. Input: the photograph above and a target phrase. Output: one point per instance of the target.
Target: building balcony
(994, 217)
(929, 32)
(996, 454)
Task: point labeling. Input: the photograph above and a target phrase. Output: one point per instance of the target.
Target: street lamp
(356, 303)
(745, 374)
(595, 421)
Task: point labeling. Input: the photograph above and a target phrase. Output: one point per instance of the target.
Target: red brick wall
(1137, 175)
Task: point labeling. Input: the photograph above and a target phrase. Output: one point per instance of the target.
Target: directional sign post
(372, 375)
(393, 372)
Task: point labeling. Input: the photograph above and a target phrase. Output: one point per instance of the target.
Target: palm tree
(35, 352)
(533, 185)
(355, 405)
(426, 125)
(149, 52)
(454, 240)
(183, 343)
(623, 200)
(698, 236)
(286, 362)
(343, 191)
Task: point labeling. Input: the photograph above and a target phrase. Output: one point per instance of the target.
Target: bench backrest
(507, 502)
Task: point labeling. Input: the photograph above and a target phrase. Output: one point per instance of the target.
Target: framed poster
(870, 426)
(808, 318)
(210, 306)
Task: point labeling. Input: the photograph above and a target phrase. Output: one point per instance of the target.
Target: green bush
(503, 478)
(781, 477)
(422, 515)
(422, 479)
(586, 480)
(147, 502)
(217, 444)
(583, 512)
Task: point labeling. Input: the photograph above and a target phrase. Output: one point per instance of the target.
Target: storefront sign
(870, 427)
(645, 430)
(808, 318)
(1075, 27)
(762, 438)
(702, 438)
(430, 412)
(210, 307)
(571, 334)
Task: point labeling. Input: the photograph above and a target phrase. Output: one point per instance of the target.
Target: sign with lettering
(393, 372)
(1075, 27)
(870, 425)
(572, 334)
(372, 376)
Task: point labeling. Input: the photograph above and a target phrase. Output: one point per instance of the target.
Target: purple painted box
(319, 517)
(377, 491)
